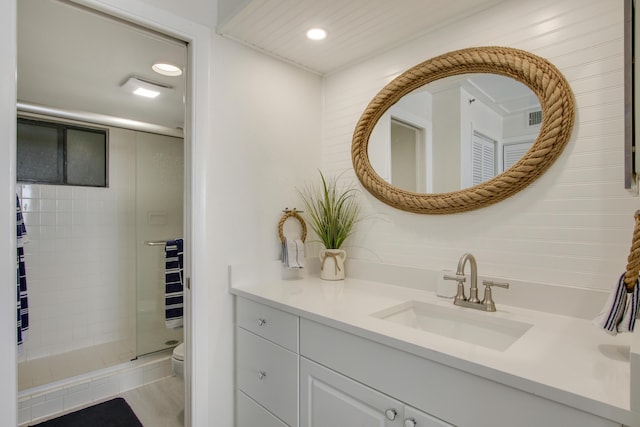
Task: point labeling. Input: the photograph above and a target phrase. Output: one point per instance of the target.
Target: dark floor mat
(113, 413)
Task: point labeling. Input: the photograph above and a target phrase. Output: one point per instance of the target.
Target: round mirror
(463, 130)
(455, 133)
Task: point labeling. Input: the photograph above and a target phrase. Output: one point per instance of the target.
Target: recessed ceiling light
(166, 69)
(316, 34)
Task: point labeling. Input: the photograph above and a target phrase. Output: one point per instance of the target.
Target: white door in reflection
(408, 157)
(484, 162)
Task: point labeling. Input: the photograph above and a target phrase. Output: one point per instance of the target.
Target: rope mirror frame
(542, 77)
(633, 260)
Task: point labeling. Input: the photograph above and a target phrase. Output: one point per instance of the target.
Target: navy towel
(173, 283)
(21, 275)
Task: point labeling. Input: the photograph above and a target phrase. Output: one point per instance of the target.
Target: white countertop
(561, 358)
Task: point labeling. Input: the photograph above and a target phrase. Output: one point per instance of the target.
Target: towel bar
(155, 242)
(292, 214)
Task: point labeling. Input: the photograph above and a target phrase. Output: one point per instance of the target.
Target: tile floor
(159, 404)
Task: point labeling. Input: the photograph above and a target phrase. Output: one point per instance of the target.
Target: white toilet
(177, 360)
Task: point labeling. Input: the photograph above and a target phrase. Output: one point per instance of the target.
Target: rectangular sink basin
(462, 324)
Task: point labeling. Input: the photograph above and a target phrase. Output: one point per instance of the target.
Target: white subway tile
(155, 372)
(64, 192)
(47, 205)
(47, 192)
(105, 387)
(30, 191)
(131, 379)
(48, 218)
(64, 218)
(47, 408)
(74, 399)
(24, 415)
(29, 205)
(31, 219)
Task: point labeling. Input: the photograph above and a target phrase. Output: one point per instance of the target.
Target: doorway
(408, 158)
(64, 216)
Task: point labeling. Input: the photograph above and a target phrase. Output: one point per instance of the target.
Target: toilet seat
(178, 352)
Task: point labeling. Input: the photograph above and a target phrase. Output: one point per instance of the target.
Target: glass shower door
(159, 217)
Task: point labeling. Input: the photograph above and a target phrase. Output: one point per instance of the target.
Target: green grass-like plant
(332, 210)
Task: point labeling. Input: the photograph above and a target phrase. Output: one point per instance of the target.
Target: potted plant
(332, 211)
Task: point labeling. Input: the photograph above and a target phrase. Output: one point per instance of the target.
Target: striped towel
(293, 253)
(173, 283)
(21, 275)
(621, 309)
(630, 311)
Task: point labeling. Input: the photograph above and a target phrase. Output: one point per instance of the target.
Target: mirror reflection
(455, 133)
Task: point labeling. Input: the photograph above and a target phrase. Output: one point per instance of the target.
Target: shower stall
(159, 217)
(95, 265)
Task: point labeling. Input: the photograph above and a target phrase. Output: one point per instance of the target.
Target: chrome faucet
(487, 303)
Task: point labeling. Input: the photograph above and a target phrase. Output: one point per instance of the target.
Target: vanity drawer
(268, 374)
(250, 414)
(270, 323)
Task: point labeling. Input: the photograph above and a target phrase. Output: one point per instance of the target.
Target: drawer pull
(391, 414)
(262, 322)
(410, 422)
(262, 375)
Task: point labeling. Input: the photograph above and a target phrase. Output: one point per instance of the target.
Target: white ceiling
(357, 29)
(502, 94)
(76, 59)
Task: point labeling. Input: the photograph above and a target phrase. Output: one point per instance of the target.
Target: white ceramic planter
(332, 264)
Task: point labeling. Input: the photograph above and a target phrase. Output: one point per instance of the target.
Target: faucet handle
(487, 301)
(489, 283)
(461, 278)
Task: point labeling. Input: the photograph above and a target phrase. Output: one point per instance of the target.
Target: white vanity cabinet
(292, 371)
(328, 399)
(266, 366)
(457, 397)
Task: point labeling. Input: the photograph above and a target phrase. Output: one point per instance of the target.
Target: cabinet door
(328, 399)
(415, 418)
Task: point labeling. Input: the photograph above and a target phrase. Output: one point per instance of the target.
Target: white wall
(266, 141)
(262, 138)
(8, 371)
(573, 226)
(267, 118)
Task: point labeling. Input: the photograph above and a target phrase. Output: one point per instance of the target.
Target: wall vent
(535, 117)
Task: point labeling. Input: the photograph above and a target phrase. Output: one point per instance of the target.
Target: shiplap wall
(571, 227)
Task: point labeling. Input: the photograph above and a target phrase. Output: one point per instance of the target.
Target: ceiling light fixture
(167, 69)
(143, 87)
(316, 34)
(146, 92)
